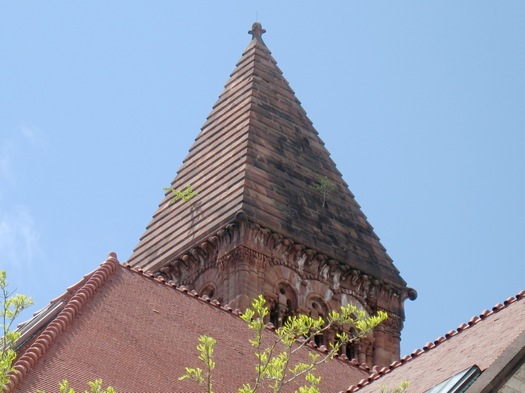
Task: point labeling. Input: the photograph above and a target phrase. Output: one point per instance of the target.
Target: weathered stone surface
(273, 213)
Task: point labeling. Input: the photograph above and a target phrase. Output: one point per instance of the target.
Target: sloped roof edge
(58, 324)
(40, 318)
(378, 372)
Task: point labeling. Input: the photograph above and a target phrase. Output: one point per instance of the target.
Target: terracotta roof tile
(29, 358)
(479, 342)
(105, 331)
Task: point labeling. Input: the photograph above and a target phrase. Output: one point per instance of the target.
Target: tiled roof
(479, 342)
(259, 154)
(30, 329)
(138, 333)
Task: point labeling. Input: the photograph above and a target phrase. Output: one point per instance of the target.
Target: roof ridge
(378, 372)
(236, 312)
(44, 341)
(23, 326)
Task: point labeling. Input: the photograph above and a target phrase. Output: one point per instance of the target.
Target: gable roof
(259, 155)
(138, 333)
(481, 342)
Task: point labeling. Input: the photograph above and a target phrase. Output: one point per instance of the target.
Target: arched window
(208, 290)
(351, 350)
(318, 309)
(284, 306)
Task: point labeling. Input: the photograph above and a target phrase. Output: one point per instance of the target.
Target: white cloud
(19, 240)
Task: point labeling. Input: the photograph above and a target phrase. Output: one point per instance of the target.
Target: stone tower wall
(247, 260)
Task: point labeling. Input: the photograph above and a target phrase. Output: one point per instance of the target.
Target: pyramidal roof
(259, 156)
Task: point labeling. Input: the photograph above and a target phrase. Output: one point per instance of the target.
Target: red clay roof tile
(480, 342)
(138, 333)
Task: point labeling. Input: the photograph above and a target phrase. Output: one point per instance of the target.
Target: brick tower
(273, 215)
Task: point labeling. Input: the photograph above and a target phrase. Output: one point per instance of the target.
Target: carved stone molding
(234, 242)
(393, 324)
(243, 254)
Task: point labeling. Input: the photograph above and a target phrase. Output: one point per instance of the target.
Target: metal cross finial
(257, 31)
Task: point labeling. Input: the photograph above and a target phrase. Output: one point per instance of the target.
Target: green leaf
(186, 195)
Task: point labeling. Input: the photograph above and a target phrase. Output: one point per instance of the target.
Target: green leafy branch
(274, 367)
(205, 348)
(186, 194)
(95, 387)
(11, 307)
(402, 388)
(325, 187)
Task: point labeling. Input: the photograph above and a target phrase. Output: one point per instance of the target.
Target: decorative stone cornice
(242, 254)
(233, 242)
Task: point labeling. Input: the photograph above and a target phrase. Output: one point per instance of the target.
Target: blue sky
(420, 103)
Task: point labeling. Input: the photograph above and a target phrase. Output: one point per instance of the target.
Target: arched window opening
(208, 290)
(351, 349)
(318, 339)
(284, 306)
(319, 310)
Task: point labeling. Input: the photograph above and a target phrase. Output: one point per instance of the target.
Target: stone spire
(259, 154)
(273, 214)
